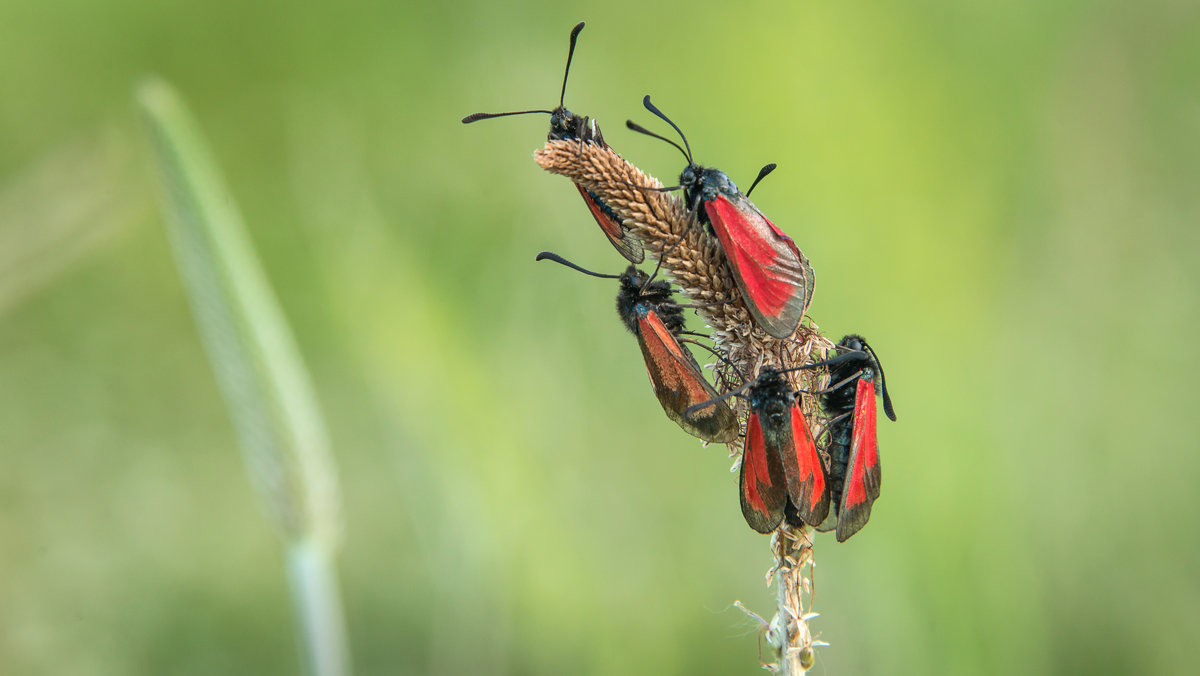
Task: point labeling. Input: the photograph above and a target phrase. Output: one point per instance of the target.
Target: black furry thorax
(633, 301)
(704, 185)
(771, 396)
(567, 126)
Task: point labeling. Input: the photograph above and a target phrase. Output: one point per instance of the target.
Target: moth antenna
(846, 356)
(658, 265)
(650, 107)
(475, 117)
(746, 384)
(570, 53)
(855, 376)
(642, 130)
(762, 173)
(828, 428)
(726, 361)
(699, 306)
(647, 188)
(887, 399)
(691, 410)
(716, 354)
(669, 188)
(697, 343)
(547, 255)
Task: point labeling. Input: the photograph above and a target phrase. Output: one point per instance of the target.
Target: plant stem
(789, 632)
(318, 605)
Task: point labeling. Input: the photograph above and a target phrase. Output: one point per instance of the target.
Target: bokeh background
(1003, 197)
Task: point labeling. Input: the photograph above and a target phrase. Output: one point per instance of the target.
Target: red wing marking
(622, 239)
(863, 476)
(762, 484)
(774, 277)
(679, 384)
(864, 443)
(807, 486)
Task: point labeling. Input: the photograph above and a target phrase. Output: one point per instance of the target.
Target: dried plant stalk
(789, 631)
(694, 260)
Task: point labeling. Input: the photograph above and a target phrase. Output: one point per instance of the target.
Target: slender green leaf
(250, 346)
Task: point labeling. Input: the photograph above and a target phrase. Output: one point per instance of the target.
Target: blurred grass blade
(258, 367)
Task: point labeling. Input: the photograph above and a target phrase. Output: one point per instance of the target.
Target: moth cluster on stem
(692, 258)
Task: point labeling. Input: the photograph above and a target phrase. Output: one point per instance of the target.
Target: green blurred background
(1003, 199)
